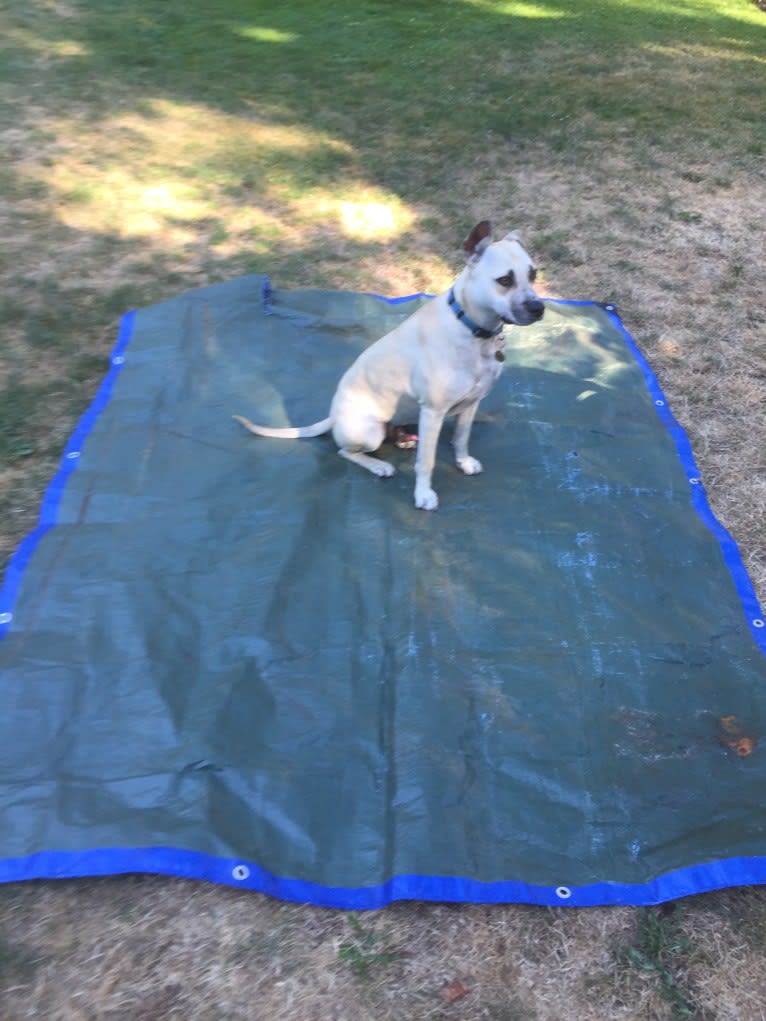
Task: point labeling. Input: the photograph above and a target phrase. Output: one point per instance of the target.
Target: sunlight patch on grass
(737, 10)
(163, 171)
(360, 212)
(191, 132)
(520, 8)
(66, 48)
(26, 39)
(116, 202)
(700, 10)
(178, 173)
(263, 34)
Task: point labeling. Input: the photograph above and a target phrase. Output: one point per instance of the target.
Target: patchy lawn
(150, 147)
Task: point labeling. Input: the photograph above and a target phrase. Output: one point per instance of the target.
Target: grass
(657, 948)
(365, 950)
(152, 146)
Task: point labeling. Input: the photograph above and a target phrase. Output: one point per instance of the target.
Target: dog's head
(501, 276)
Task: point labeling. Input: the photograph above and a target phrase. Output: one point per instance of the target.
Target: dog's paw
(382, 469)
(426, 499)
(470, 466)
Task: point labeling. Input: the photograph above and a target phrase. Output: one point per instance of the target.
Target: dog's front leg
(429, 426)
(467, 464)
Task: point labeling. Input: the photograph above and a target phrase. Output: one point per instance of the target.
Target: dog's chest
(479, 374)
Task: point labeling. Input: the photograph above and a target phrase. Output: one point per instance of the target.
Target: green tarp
(250, 661)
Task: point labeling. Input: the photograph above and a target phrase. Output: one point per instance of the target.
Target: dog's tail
(300, 432)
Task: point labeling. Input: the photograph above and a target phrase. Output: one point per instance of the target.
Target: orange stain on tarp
(733, 736)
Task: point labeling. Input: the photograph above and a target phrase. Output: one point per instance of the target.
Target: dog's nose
(534, 307)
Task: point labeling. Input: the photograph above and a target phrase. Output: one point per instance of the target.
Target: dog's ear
(479, 238)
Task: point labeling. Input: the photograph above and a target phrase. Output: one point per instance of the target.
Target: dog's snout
(534, 307)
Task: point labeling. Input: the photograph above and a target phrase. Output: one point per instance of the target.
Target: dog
(439, 362)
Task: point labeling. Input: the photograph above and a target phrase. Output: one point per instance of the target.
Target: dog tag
(499, 356)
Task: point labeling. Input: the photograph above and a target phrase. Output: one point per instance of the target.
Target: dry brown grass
(144, 948)
(86, 231)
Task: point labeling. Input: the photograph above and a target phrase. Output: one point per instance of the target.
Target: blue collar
(476, 330)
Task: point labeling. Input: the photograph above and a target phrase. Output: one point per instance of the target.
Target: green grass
(393, 77)
(659, 947)
(366, 950)
(384, 95)
(370, 101)
(31, 413)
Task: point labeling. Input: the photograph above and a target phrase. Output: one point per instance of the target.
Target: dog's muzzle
(530, 311)
(535, 308)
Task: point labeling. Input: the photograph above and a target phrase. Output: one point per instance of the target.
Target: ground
(627, 146)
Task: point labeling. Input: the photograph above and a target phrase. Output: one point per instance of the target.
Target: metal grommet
(695, 481)
(563, 892)
(759, 623)
(118, 360)
(240, 872)
(6, 618)
(659, 403)
(73, 455)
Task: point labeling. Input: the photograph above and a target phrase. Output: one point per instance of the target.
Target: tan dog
(440, 361)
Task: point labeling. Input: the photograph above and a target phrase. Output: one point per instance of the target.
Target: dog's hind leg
(356, 439)
(373, 464)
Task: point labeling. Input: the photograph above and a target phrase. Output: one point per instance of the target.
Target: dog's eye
(507, 281)
(532, 275)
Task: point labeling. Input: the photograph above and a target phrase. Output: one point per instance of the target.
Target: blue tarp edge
(182, 864)
(17, 565)
(731, 553)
